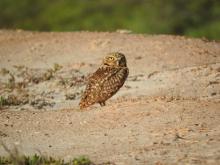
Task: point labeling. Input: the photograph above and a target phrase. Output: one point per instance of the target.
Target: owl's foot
(102, 104)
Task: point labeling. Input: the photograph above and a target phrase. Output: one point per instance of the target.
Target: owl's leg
(102, 104)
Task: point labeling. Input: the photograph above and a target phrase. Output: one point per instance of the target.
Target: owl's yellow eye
(111, 58)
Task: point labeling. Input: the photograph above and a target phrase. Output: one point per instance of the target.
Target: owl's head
(115, 59)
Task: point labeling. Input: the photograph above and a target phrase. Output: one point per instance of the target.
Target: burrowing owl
(106, 81)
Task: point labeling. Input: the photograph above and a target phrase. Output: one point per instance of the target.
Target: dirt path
(167, 112)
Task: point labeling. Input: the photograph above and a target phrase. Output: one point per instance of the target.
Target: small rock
(2, 134)
(213, 94)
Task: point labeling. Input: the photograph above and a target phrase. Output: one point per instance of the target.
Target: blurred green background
(197, 18)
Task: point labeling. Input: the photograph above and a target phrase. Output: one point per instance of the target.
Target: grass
(13, 100)
(57, 67)
(3, 101)
(42, 160)
(49, 74)
(11, 81)
(28, 78)
(15, 158)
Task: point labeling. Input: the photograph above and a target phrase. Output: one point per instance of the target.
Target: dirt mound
(166, 113)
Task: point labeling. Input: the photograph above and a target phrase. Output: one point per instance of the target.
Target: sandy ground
(168, 111)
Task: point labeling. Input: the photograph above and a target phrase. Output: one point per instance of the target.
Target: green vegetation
(42, 160)
(50, 72)
(3, 101)
(199, 18)
(57, 67)
(15, 158)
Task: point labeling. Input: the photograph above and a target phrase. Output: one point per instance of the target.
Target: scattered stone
(2, 134)
(213, 94)
(138, 58)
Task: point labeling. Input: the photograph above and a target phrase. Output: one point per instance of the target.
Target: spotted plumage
(106, 81)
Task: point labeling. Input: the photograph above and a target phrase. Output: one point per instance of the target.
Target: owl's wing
(113, 82)
(95, 85)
